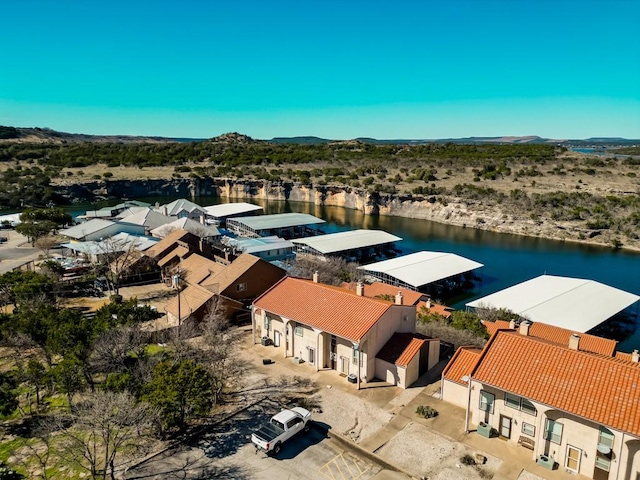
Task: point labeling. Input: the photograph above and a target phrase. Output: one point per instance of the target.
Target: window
(528, 429)
(293, 422)
(519, 403)
(605, 438)
(512, 401)
(553, 431)
(486, 401)
(241, 287)
(356, 355)
(603, 453)
(267, 323)
(299, 331)
(528, 407)
(603, 463)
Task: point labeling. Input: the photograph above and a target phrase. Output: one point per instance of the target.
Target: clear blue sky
(333, 68)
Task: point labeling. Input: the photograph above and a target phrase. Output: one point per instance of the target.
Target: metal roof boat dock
(352, 244)
(220, 213)
(285, 225)
(419, 270)
(573, 303)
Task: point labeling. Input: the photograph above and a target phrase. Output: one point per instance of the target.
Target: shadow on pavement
(296, 445)
(227, 437)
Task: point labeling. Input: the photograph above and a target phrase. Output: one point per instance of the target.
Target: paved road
(12, 254)
(226, 452)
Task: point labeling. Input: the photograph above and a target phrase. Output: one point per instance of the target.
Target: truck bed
(268, 432)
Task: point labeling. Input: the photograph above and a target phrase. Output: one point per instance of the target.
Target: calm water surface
(508, 259)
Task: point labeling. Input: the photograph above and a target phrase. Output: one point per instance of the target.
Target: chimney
(574, 341)
(635, 356)
(524, 327)
(202, 218)
(399, 298)
(428, 304)
(164, 210)
(512, 324)
(315, 277)
(360, 289)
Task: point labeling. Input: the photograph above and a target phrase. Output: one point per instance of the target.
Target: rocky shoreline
(447, 210)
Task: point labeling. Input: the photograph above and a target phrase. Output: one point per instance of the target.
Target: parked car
(282, 426)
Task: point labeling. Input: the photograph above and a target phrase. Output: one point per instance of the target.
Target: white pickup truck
(281, 428)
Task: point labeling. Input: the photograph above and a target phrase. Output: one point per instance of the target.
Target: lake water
(508, 259)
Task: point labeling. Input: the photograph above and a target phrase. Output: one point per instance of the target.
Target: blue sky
(334, 68)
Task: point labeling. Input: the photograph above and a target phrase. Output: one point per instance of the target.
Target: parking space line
(328, 470)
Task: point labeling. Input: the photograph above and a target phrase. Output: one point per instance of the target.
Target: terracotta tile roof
(167, 243)
(594, 387)
(560, 336)
(401, 348)
(178, 252)
(330, 309)
(228, 276)
(626, 357)
(196, 268)
(192, 299)
(379, 288)
(462, 363)
(442, 310)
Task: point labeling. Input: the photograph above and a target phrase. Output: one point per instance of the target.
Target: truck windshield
(278, 424)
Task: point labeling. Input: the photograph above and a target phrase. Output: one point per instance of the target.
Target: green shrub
(426, 411)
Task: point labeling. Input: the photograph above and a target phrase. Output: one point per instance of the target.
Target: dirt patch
(431, 456)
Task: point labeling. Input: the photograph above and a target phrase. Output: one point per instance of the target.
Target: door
(505, 427)
(344, 365)
(312, 356)
(332, 353)
(276, 338)
(573, 459)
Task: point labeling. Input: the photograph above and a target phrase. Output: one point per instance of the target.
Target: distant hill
(47, 135)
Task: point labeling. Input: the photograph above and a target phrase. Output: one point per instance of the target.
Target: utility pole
(176, 284)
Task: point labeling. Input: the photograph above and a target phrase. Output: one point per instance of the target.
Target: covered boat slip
(220, 213)
(354, 245)
(285, 225)
(572, 303)
(431, 272)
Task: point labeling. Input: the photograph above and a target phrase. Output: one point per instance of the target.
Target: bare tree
(112, 351)
(118, 255)
(491, 314)
(332, 270)
(46, 243)
(220, 341)
(106, 433)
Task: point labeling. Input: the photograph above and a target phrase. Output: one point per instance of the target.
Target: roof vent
(524, 327)
(574, 341)
(635, 356)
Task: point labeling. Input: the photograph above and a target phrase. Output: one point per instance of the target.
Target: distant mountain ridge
(46, 135)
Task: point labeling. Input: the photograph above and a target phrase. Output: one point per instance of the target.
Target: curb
(362, 451)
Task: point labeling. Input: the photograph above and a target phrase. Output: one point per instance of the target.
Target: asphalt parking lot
(226, 452)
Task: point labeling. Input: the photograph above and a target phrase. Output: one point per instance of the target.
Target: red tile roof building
(340, 329)
(555, 392)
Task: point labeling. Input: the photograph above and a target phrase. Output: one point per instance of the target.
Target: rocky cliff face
(453, 211)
